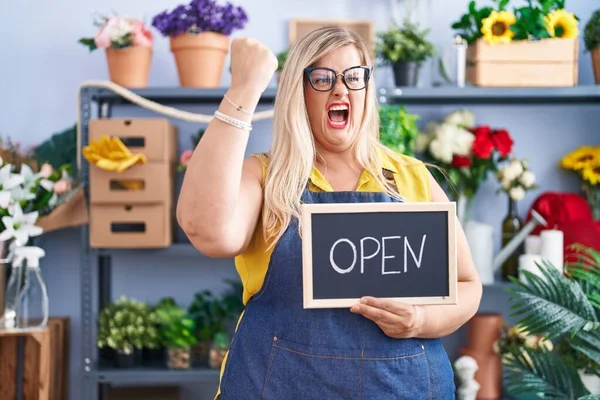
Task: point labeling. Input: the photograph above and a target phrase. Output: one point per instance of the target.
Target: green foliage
(565, 309)
(468, 26)
(212, 314)
(196, 138)
(59, 150)
(406, 43)
(281, 58)
(89, 43)
(127, 324)
(175, 326)
(398, 128)
(591, 32)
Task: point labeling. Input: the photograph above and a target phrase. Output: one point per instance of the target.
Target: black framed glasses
(323, 79)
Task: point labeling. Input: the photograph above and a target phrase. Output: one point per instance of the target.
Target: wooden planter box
(548, 62)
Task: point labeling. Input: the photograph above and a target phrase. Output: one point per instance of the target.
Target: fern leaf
(541, 373)
(552, 304)
(588, 343)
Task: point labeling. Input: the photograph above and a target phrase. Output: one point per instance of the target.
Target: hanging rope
(149, 105)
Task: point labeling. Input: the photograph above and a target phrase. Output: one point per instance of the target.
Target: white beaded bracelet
(233, 121)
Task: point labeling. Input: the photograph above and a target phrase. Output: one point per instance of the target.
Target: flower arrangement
(467, 152)
(118, 32)
(516, 179)
(585, 163)
(126, 325)
(28, 191)
(538, 19)
(200, 16)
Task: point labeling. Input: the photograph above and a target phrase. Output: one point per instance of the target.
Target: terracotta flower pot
(200, 58)
(482, 331)
(130, 66)
(596, 64)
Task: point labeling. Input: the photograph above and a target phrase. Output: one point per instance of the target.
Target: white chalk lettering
(333, 263)
(407, 247)
(362, 252)
(383, 256)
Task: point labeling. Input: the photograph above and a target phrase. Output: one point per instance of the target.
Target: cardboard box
(156, 138)
(150, 183)
(544, 63)
(131, 226)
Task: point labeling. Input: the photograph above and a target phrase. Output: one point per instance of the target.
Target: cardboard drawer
(141, 184)
(131, 226)
(156, 138)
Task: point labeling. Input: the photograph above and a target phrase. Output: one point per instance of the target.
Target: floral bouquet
(465, 151)
(585, 162)
(516, 179)
(118, 32)
(28, 193)
(536, 20)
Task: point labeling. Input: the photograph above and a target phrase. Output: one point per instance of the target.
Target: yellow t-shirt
(412, 181)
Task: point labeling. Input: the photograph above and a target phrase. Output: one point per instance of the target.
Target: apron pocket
(303, 372)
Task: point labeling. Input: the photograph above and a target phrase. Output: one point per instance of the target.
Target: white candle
(533, 244)
(552, 247)
(529, 263)
(481, 242)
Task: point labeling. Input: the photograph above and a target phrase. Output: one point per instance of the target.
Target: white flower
(19, 194)
(517, 193)
(527, 179)
(462, 117)
(8, 181)
(506, 184)
(463, 142)
(118, 27)
(512, 170)
(441, 150)
(30, 179)
(20, 226)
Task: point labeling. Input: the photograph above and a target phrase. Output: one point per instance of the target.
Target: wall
(40, 82)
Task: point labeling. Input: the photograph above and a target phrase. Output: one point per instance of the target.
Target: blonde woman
(325, 149)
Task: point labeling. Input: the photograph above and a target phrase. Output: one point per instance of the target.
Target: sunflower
(581, 158)
(591, 173)
(496, 27)
(562, 24)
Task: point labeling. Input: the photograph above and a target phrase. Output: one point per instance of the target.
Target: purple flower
(201, 16)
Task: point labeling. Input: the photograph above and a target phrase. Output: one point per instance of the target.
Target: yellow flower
(591, 173)
(496, 27)
(562, 24)
(581, 158)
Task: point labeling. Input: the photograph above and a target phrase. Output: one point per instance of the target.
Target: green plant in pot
(125, 326)
(591, 38)
(398, 128)
(405, 48)
(176, 330)
(565, 309)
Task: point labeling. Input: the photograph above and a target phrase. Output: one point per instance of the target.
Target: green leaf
(588, 344)
(89, 43)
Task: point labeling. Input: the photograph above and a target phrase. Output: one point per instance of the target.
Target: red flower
(503, 142)
(484, 130)
(483, 146)
(461, 161)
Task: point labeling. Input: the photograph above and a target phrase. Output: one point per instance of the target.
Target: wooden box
(548, 62)
(364, 28)
(140, 184)
(156, 138)
(131, 226)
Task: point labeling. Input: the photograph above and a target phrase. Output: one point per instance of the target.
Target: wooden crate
(544, 63)
(45, 362)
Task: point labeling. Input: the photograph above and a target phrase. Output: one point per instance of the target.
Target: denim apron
(283, 352)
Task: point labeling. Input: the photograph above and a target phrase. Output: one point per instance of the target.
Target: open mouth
(337, 115)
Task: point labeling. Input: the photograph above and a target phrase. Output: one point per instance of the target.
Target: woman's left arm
(402, 320)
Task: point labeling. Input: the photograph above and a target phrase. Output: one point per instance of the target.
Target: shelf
(155, 375)
(175, 250)
(434, 95)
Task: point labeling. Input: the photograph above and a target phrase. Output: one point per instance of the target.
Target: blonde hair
(293, 154)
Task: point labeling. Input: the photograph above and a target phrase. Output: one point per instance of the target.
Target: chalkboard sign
(401, 251)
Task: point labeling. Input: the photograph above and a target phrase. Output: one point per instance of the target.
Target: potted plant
(532, 45)
(564, 309)
(199, 34)
(398, 128)
(405, 48)
(128, 46)
(125, 326)
(176, 329)
(591, 38)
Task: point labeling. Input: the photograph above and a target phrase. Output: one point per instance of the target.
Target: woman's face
(335, 115)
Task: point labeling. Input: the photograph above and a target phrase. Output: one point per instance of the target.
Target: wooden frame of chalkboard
(436, 218)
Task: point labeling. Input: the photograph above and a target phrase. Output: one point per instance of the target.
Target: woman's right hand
(252, 64)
